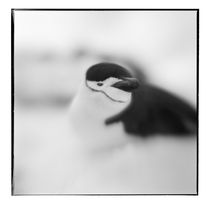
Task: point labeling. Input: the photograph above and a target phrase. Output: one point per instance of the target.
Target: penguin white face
(112, 80)
(112, 93)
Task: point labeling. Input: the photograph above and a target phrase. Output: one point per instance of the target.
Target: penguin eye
(99, 83)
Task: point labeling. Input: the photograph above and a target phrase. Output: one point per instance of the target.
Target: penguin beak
(127, 84)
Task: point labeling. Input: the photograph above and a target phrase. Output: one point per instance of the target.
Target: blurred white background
(47, 44)
(52, 51)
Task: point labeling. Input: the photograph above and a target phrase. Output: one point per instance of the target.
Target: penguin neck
(96, 106)
(88, 113)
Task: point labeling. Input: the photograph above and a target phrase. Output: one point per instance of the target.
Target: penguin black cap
(102, 71)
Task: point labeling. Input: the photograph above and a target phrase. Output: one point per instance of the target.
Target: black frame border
(100, 9)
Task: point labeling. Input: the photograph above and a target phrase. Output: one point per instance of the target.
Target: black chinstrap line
(104, 94)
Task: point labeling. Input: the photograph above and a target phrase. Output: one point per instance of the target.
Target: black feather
(102, 71)
(156, 111)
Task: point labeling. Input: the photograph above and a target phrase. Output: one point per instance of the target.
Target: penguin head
(112, 81)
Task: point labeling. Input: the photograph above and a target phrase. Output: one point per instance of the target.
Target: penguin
(120, 135)
(112, 105)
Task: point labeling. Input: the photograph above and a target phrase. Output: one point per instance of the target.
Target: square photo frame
(106, 143)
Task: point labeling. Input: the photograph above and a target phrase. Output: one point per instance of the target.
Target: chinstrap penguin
(112, 104)
(121, 137)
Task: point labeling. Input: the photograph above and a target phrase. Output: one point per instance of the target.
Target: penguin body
(125, 136)
(112, 104)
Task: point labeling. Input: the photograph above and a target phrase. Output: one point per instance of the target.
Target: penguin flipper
(156, 111)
